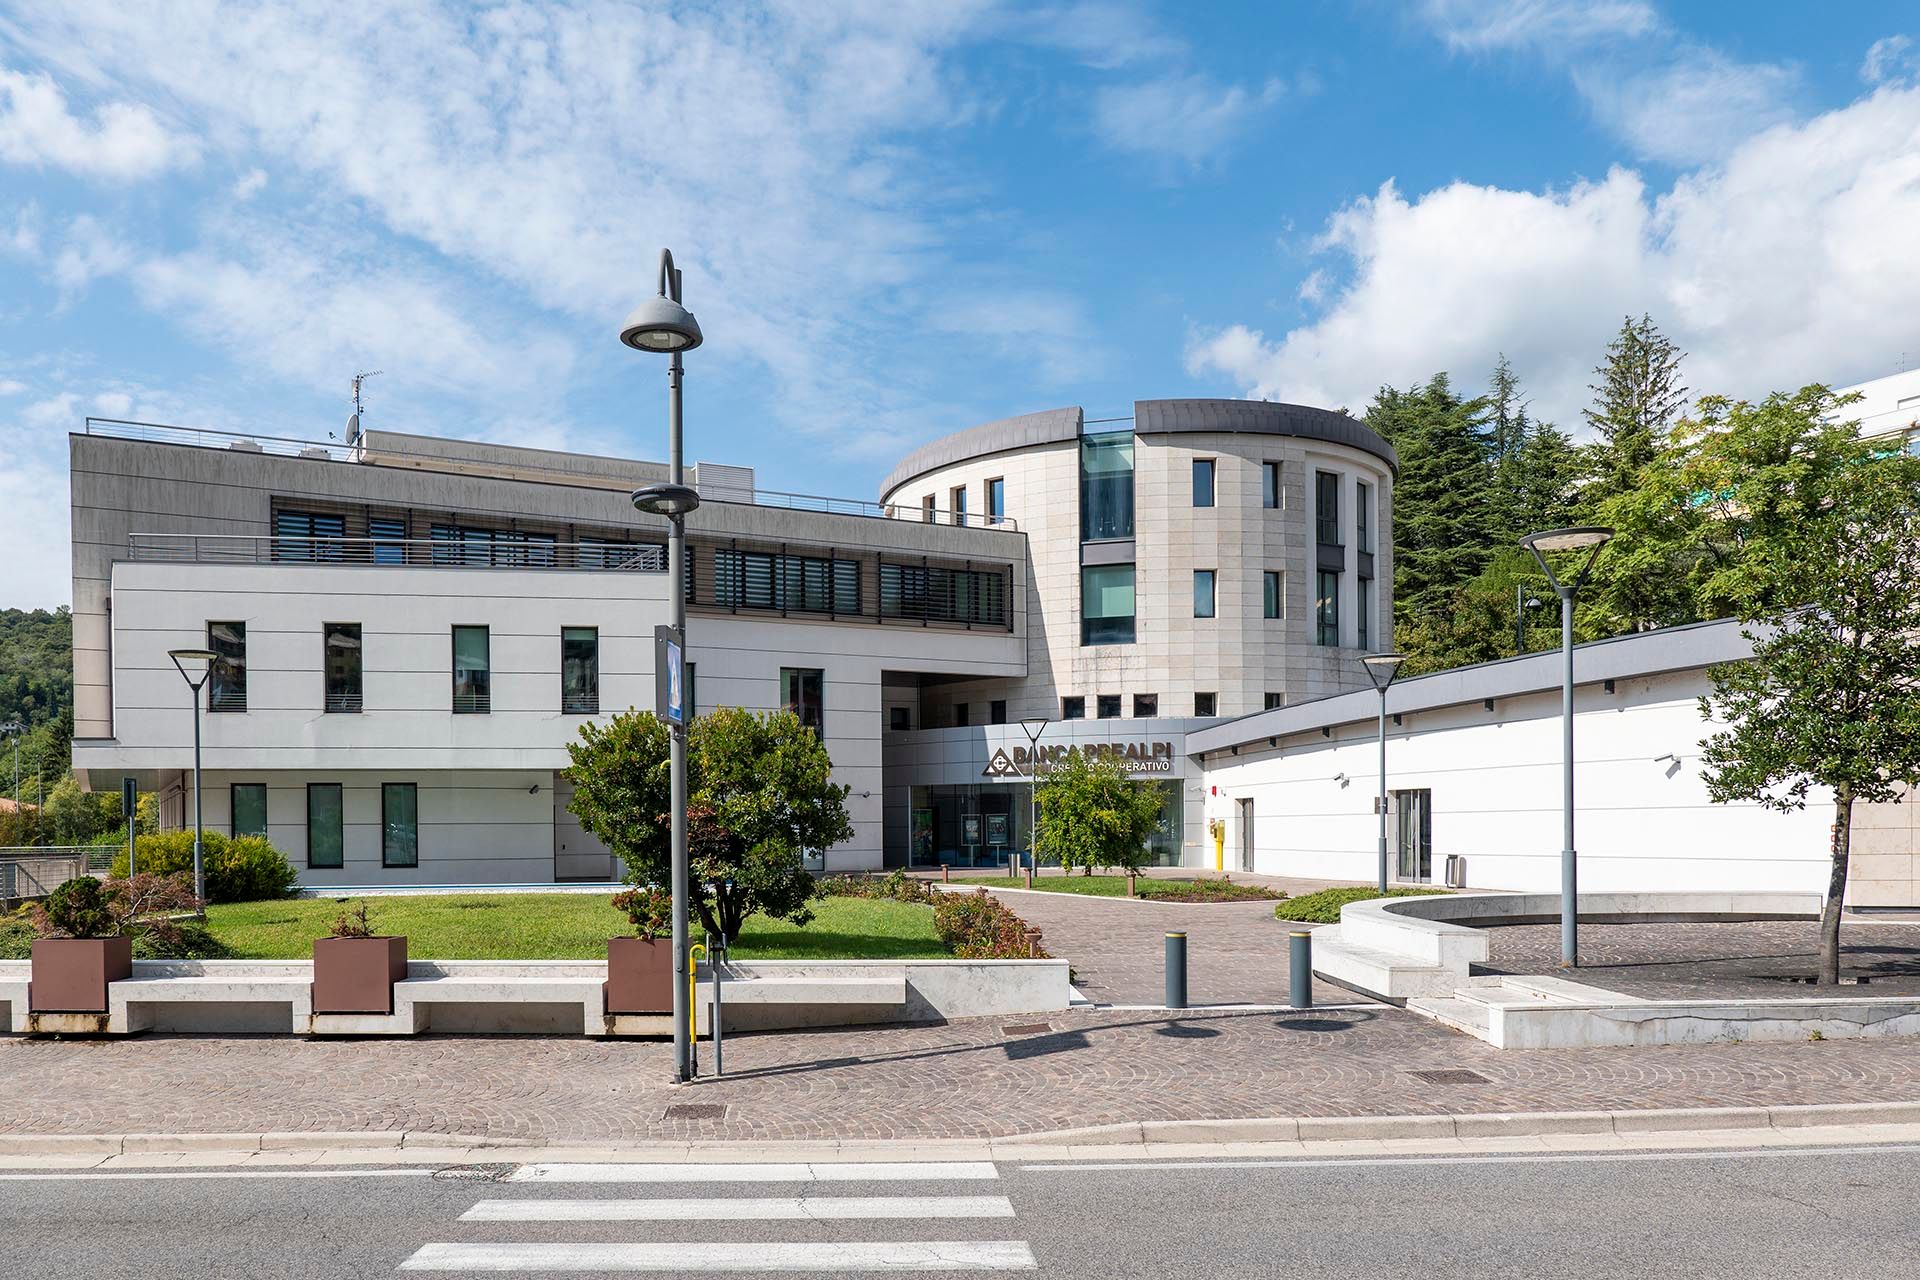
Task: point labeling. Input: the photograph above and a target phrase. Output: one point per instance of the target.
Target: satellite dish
(353, 427)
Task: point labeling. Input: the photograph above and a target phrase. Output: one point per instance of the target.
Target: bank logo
(1001, 766)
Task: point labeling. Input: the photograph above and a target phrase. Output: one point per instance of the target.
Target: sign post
(129, 807)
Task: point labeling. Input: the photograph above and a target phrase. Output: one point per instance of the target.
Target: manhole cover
(1029, 1029)
(1453, 1076)
(472, 1173)
(696, 1111)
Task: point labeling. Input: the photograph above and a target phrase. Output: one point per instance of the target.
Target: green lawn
(1105, 886)
(565, 926)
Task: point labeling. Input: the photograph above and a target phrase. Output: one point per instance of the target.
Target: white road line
(961, 1171)
(197, 1175)
(1544, 1157)
(692, 1256)
(779, 1209)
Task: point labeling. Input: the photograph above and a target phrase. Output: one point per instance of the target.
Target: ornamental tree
(758, 797)
(1093, 815)
(1830, 700)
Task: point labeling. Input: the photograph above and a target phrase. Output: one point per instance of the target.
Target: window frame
(387, 790)
(225, 674)
(233, 808)
(1211, 578)
(812, 713)
(484, 698)
(1362, 527)
(1146, 706)
(1213, 703)
(1273, 594)
(1274, 700)
(958, 497)
(997, 711)
(1115, 632)
(589, 703)
(1210, 468)
(1326, 609)
(340, 818)
(348, 703)
(1104, 700)
(1326, 516)
(996, 500)
(1272, 496)
(1073, 707)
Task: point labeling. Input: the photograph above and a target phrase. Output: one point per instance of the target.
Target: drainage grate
(473, 1173)
(1451, 1076)
(696, 1111)
(1028, 1029)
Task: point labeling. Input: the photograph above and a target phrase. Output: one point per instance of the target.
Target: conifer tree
(1635, 404)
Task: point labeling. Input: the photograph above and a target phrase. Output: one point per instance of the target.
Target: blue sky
(898, 219)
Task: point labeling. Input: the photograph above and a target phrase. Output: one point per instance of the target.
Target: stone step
(1380, 973)
(1462, 1015)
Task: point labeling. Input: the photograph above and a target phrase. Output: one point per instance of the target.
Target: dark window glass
(1326, 609)
(1146, 706)
(997, 711)
(1326, 508)
(1203, 594)
(324, 825)
(580, 671)
(472, 671)
(1363, 614)
(960, 504)
(1106, 604)
(389, 534)
(227, 677)
(1203, 482)
(801, 692)
(794, 584)
(1107, 706)
(1073, 708)
(1106, 486)
(1362, 529)
(1275, 700)
(962, 713)
(1204, 704)
(249, 808)
(341, 651)
(399, 824)
(943, 595)
(1270, 590)
(1270, 485)
(303, 535)
(900, 718)
(928, 510)
(996, 500)
(690, 672)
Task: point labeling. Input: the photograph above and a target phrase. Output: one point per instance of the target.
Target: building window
(580, 671)
(475, 546)
(942, 595)
(340, 648)
(1204, 704)
(996, 500)
(997, 711)
(1073, 708)
(960, 504)
(929, 509)
(962, 712)
(227, 675)
(303, 535)
(789, 583)
(900, 718)
(399, 824)
(325, 846)
(1273, 594)
(1106, 486)
(1326, 609)
(249, 800)
(389, 538)
(690, 677)
(1275, 700)
(1270, 485)
(1106, 604)
(1203, 593)
(1362, 528)
(1203, 482)
(1107, 706)
(1326, 508)
(1363, 614)
(801, 692)
(1146, 706)
(472, 671)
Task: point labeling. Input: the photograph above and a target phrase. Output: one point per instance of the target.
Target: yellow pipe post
(693, 977)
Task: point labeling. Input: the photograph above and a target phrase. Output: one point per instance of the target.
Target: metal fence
(525, 552)
(34, 872)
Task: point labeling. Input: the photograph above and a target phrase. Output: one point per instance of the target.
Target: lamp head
(1035, 726)
(1588, 538)
(670, 500)
(662, 325)
(1382, 667)
(193, 664)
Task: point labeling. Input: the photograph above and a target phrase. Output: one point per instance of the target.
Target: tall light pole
(1588, 538)
(1381, 669)
(13, 729)
(662, 325)
(195, 666)
(1033, 727)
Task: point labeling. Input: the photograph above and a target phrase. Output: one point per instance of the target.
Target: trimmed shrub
(896, 886)
(1205, 891)
(1323, 906)
(238, 869)
(81, 908)
(978, 926)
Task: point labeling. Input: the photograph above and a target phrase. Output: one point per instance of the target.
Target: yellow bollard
(693, 980)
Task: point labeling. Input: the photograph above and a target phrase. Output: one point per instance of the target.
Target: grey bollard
(1300, 969)
(1176, 971)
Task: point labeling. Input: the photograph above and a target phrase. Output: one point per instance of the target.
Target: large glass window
(960, 504)
(227, 677)
(1106, 604)
(1106, 486)
(389, 535)
(805, 584)
(1206, 704)
(1203, 482)
(942, 595)
(802, 692)
(1326, 508)
(1074, 708)
(997, 711)
(1273, 593)
(1362, 528)
(1146, 705)
(1326, 609)
(1270, 485)
(249, 808)
(1203, 593)
(305, 535)
(340, 650)
(472, 671)
(1107, 706)
(580, 671)
(996, 500)
(399, 824)
(1363, 614)
(325, 844)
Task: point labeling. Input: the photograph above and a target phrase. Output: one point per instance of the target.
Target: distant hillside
(36, 665)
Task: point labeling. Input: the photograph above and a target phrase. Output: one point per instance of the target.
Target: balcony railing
(432, 553)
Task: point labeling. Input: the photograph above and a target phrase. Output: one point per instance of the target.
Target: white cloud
(113, 404)
(1892, 58)
(11, 386)
(1106, 36)
(1790, 262)
(61, 410)
(1468, 26)
(125, 140)
(1692, 110)
(250, 184)
(88, 252)
(1189, 118)
(1040, 328)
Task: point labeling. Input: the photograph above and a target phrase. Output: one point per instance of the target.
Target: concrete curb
(1134, 1134)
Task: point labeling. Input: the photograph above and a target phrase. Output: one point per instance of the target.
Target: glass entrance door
(1246, 833)
(1413, 838)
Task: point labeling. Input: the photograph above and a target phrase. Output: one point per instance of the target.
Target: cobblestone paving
(961, 1080)
(1711, 960)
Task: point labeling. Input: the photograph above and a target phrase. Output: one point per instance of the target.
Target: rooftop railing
(435, 553)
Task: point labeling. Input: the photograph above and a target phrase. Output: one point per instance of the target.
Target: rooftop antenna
(353, 423)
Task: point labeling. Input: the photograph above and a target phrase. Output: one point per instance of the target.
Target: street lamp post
(1381, 669)
(1033, 727)
(662, 324)
(1588, 538)
(13, 729)
(192, 663)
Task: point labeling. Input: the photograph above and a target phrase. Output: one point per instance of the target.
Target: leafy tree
(1093, 815)
(1478, 625)
(1831, 697)
(1441, 514)
(1635, 404)
(1540, 482)
(758, 797)
(79, 817)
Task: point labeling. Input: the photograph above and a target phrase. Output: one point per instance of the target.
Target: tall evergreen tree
(1442, 515)
(1635, 404)
(1507, 412)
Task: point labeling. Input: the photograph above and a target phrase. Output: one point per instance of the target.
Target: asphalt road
(1839, 1213)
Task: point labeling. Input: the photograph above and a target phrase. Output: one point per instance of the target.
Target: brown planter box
(639, 976)
(70, 975)
(356, 975)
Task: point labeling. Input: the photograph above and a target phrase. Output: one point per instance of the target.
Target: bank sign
(1134, 757)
